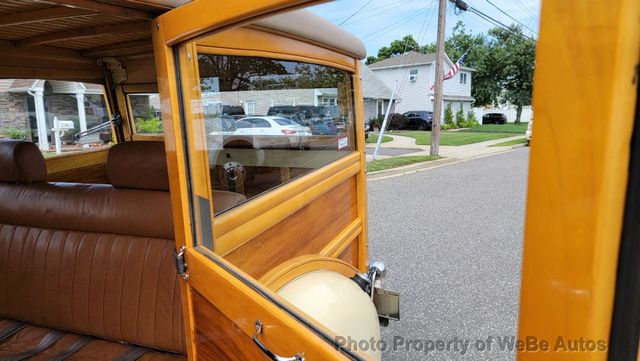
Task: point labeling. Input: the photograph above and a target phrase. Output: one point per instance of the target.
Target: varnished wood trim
(260, 221)
(361, 248)
(243, 305)
(239, 216)
(69, 161)
(343, 239)
(296, 267)
(8, 49)
(139, 88)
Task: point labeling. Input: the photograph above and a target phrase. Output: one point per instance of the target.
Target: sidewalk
(404, 146)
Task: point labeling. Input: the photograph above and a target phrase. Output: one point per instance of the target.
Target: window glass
(302, 121)
(61, 117)
(145, 110)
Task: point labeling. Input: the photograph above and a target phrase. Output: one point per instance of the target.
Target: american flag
(453, 71)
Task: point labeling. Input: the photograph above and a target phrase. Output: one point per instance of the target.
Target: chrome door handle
(271, 355)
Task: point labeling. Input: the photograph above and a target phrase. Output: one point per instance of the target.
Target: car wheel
(422, 126)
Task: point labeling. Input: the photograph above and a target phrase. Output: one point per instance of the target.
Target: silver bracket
(118, 73)
(181, 264)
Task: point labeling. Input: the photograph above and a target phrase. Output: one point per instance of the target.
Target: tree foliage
(503, 61)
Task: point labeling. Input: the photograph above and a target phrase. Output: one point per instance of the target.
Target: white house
(415, 74)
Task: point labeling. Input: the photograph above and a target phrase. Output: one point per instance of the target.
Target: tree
(518, 58)
(397, 47)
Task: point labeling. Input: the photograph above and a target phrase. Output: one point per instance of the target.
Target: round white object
(339, 304)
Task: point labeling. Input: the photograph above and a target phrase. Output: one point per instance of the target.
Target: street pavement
(451, 238)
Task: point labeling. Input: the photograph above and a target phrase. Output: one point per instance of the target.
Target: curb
(419, 167)
(408, 169)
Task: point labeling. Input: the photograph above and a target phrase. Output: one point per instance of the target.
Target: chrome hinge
(181, 264)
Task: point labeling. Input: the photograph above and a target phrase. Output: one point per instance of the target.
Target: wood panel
(86, 167)
(350, 254)
(306, 231)
(217, 337)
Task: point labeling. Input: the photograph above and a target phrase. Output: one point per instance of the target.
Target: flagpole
(434, 149)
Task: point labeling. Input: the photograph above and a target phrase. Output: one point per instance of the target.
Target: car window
(61, 117)
(292, 93)
(284, 121)
(146, 113)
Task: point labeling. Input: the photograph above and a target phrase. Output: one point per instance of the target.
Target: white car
(272, 132)
(529, 132)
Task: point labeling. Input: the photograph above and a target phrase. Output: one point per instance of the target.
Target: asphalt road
(451, 238)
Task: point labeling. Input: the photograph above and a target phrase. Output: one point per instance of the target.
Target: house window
(413, 74)
(145, 109)
(380, 108)
(463, 78)
(250, 107)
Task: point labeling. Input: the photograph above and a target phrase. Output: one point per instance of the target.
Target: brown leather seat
(81, 260)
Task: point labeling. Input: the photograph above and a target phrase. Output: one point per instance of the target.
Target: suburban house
(29, 106)
(376, 95)
(415, 74)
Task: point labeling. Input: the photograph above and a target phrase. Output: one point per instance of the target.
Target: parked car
(420, 120)
(234, 111)
(529, 132)
(272, 132)
(494, 118)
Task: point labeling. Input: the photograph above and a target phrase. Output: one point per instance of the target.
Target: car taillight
(288, 131)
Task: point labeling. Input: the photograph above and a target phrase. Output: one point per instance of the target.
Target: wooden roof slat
(34, 16)
(103, 8)
(127, 28)
(8, 49)
(128, 47)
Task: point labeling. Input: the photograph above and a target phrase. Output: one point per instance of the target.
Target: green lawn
(454, 138)
(373, 138)
(510, 143)
(396, 162)
(499, 128)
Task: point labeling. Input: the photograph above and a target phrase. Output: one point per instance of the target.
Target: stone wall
(14, 114)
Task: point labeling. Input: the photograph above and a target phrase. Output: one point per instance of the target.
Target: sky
(378, 22)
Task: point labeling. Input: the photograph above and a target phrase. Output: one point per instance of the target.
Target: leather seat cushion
(21, 162)
(88, 208)
(121, 288)
(96, 349)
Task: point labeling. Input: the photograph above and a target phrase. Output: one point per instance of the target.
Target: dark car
(234, 111)
(494, 118)
(420, 120)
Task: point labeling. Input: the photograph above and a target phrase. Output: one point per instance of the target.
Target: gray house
(415, 74)
(376, 95)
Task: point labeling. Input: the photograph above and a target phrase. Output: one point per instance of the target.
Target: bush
(151, 125)
(15, 133)
(446, 126)
(448, 118)
(377, 121)
(471, 119)
(461, 121)
(397, 121)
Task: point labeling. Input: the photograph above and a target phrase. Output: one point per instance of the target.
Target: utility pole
(434, 150)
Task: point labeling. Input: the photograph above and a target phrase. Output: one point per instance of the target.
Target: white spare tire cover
(339, 304)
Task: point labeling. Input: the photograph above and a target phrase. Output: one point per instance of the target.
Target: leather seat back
(90, 259)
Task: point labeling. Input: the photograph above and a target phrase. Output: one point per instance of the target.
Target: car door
(227, 314)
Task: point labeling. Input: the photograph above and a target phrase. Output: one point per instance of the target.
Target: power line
(511, 17)
(354, 14)
(498, 23)
(526, 10)
(383, 11)
(386, 6)
(394, 25)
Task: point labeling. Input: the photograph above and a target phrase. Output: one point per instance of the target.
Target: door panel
(222, 303)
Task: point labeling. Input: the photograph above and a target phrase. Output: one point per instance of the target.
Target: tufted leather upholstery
(89, 260)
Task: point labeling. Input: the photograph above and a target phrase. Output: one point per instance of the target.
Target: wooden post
(434, 150)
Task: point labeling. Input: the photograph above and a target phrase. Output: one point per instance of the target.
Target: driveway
(451, 238)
